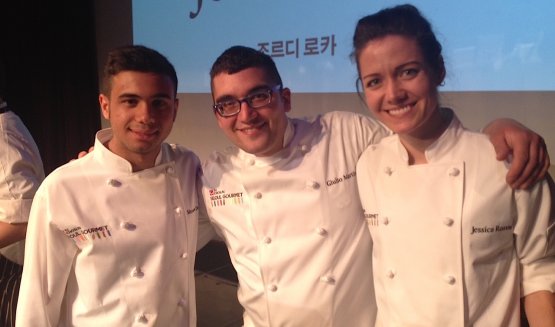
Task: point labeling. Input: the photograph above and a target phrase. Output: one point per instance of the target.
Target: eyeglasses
(259, 99)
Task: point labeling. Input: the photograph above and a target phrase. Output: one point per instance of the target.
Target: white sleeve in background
(21, 170)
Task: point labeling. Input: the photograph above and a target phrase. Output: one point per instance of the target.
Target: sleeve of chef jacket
(535, 237)
(48, 260)
(361, 130)
(20, 175)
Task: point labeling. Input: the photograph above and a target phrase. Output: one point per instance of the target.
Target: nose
(246, 113)
(395, 92)
(145, 113)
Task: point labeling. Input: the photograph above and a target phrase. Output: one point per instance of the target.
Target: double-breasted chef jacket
(21, 173)
(293, 224)
(110, 247)
(454, 245)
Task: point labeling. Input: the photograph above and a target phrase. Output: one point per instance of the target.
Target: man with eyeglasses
(285, 200)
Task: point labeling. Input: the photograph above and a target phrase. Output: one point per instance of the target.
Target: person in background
(285, 198)
(434, 189)
(112, 236)
(21, 172)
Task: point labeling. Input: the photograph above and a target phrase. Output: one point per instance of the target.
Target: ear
(286, 98)
(104, 106)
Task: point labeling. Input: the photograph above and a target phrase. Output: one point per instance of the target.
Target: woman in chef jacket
(454, 245)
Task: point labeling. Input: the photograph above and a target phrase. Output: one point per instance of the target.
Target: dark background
(48, 68)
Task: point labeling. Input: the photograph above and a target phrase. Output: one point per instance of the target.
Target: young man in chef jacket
(112, 236)
(285, 200)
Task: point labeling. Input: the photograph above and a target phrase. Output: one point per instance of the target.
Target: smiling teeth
(252, 127)
(400, 111)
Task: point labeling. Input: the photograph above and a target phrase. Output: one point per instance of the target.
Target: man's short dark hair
(238, 58)
(136, 58)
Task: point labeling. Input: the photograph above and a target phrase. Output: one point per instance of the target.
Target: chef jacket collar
(443, 144)
(446, 141)
(102, 154)
(287, 138)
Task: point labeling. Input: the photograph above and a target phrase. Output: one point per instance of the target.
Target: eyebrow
(133, 95)
(397, 69)
(255, 89)
(410, 63)
(367, 76)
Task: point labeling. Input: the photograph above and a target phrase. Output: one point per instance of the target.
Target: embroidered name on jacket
(337, 180)
(79, 234)
(221, 198)
(490, 229)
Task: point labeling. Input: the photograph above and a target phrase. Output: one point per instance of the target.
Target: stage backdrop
(498, 55)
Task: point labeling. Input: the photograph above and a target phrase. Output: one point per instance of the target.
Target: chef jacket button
(258, 195)
(321, 231)
(390, 274)
(178, 211)
(267, 240)
(448, 221)
(250, 162)
(272, 288)
(169, 170)
(183, 255)
(137, 273)
(450, 280)
(182, 302)
(304, 148)
(127, 225)
(385, 221)
(313, 184)
(142, 319)
(327, 279)
(454, 172)
(114, 182)
(388, 171)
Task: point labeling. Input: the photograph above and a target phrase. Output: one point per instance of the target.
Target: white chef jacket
(454, 245)
(110, 247)
(293, 225)
(21, 173)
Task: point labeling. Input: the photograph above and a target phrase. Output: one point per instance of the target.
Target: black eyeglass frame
(248, 100)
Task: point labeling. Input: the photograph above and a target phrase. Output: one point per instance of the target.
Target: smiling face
(257, 131)
(399, 87)
(141, 108)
